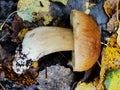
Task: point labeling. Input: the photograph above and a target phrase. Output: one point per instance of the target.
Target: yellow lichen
(111, 55)
(110, 60)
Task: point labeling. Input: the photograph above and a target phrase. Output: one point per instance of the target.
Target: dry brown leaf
(112, 23)
(110, 7)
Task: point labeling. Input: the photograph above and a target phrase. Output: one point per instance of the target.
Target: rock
(3, 53)
(58, 78)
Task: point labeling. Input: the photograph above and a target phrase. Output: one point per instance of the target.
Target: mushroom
(87, 40)
(83, 40)
(40, 42)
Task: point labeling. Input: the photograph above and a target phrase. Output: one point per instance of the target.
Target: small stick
(117, 11)
(103, 43)
(99, 63)
(2, 86)
(6, 20)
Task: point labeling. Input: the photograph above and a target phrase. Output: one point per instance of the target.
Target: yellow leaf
(35, 64)
(112, 81)
(22, 33)
(87, 86)
(110, 7)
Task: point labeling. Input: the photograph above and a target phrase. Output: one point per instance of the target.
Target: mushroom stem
(45, 40)
(40, 42)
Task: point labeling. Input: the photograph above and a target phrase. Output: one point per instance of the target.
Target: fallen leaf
(87, 86)
(110, 7)
(112, 24)
(33, 10)
(110, 60)
(112, 81)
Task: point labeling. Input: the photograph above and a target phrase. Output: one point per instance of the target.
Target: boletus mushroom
(83, 40)
(87, 40)
(40, 42)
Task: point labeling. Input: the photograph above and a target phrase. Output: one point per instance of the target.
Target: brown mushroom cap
(86, 40)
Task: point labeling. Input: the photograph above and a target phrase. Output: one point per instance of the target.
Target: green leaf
(112, 81)
(33, 10)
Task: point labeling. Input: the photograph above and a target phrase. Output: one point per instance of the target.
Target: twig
(99, 64)
(103, 43)
(4, 36)
(6, 20)
(2, 86)
(117, 11)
